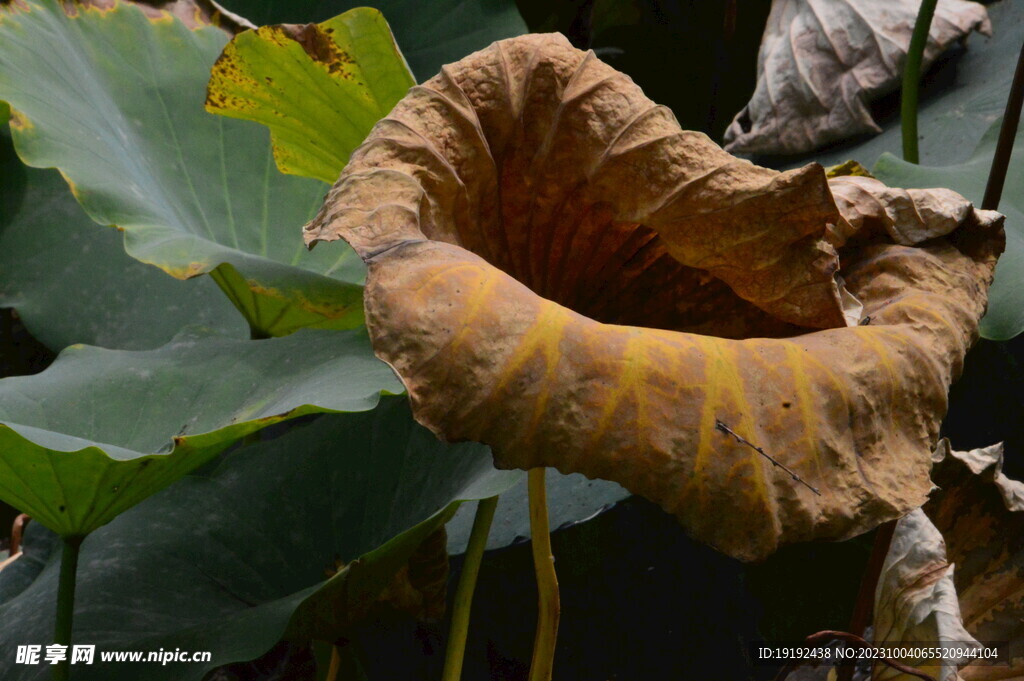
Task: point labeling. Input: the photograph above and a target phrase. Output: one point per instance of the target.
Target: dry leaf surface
(980, 512)
(822, 61)
(559, 271)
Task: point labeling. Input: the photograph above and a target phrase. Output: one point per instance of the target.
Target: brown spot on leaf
(314, 40)
(19, 122)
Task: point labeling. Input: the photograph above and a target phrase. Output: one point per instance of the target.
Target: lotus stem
(256, 331)
(18, 531)
(1007, 133)
(66, 603)
(864, 608)
(463, 604)
(548, 608)
(332, 670)
(912, 79)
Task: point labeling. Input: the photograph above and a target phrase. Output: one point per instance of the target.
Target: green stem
(220, 278)
(464, 592)
(548, 607)
(66, 603)
(1007, 134)
(912, 79)
(332, 671)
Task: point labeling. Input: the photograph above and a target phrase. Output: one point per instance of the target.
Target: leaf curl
(980, 512)
(559, 271)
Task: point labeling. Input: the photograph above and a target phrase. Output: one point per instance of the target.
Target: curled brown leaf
(559, 271)
(980, 513)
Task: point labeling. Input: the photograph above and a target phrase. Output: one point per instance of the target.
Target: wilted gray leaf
(916, 602)
(822, 61)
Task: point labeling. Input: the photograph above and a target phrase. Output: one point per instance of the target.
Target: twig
(742, 440)
(1007, 133)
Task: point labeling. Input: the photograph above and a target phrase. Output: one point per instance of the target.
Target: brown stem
(1007, 133)
(864, 608)
(18, 531)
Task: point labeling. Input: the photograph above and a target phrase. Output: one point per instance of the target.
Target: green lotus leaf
(114, 99)
(572, 499)
(100, 430)
(450, 30)
(318, 87)
(1005, 317)
(88, 290)
(233, 559)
